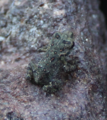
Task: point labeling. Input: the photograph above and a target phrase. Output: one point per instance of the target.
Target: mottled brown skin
(46, 71)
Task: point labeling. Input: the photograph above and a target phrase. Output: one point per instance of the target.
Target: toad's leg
(30, 71)
(53, 86)
(68, 66)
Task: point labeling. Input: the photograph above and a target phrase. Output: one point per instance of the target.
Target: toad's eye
(66, 42)
(71, 35)
(57, 36)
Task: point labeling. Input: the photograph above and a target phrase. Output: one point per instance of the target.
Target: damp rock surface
(26, 26)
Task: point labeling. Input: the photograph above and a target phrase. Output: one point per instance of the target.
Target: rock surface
(26, 26)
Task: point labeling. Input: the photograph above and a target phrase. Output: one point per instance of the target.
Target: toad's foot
(53, 86)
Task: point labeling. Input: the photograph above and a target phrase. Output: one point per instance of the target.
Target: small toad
(55, 60)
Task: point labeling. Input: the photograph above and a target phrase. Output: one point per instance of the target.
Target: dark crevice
(103, 8)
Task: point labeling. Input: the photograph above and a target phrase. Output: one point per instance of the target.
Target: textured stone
(31, 25)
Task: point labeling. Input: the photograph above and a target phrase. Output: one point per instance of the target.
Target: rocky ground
(26, 26)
